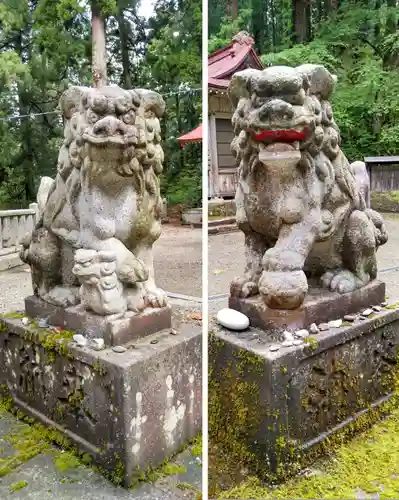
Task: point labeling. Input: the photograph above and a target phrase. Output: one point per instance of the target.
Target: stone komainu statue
(101, 215)
(299, 202)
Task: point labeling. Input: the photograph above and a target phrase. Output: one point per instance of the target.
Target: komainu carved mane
(299, 202)
(101, 215)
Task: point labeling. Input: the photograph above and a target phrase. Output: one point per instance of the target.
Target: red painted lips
(280, 135)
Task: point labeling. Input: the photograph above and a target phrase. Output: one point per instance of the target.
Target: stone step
(223, 228)
(9, 261)
(222, 221)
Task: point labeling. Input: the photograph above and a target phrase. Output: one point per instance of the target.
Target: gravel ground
(177, 257)
(226, 259)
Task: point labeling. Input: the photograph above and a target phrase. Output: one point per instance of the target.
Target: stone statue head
(281, 110)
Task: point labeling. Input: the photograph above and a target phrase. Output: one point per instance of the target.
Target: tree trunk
(99, 65)
(300, 21)
(26, 157)
(391, 19)
(127, 81)
(234, 9)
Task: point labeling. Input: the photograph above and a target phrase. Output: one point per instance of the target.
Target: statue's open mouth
(113, 140)
(282, 135)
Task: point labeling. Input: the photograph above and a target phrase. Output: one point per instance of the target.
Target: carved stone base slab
(128, 410)
(320, 306)
(296, 397)
(113, 331)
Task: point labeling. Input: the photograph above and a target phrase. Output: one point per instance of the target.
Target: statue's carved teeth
(114, 140)
(280, 135)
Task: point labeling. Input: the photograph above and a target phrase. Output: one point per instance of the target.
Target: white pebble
(119, 349)
(25, 321)
(335, 323)
(377, 308)
(367, 312)
(288, 335)
(274, 347)
(313, 328)
(302, 334)
(80, 340)
(297, 342)
(97, 344)
(287, 343)
(232, 319)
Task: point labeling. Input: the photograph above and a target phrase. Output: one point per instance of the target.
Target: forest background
(46, 45)
(358, 40)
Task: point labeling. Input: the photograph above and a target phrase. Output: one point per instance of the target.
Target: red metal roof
(224, 62)
(193, 136)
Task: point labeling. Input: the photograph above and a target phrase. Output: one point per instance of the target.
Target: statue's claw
(342, 281)
(156, 298)
(243, 286)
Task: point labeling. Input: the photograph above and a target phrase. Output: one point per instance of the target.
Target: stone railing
(14, 224)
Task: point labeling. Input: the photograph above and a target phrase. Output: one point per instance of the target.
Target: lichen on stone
(19, 485)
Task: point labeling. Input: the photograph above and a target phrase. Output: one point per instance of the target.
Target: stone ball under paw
(282, 289)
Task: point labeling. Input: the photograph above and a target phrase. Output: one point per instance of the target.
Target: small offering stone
(274, 348)
(119, 349)
(302, 334)
(80, 340)
(335, 323)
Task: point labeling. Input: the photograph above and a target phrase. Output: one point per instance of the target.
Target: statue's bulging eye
(121, 105)
(92, 117)
(100, 104)
(129, 117)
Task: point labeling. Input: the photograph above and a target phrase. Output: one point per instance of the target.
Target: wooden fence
(383, 172)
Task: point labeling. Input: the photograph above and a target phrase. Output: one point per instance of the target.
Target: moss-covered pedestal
(129, 410)
(271, 410)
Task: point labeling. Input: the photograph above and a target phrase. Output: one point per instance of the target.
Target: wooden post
(214, 170)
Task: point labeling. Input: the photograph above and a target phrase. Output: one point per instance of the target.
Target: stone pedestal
(320, 306)
(114, 331)
(276, 406)
(129, 410)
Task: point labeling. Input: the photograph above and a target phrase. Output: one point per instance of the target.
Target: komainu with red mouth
(299, 202)
(104, 203)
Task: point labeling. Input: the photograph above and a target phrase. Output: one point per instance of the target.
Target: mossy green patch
(66, 460)
(26, 443)
(187, 487)
(196, 446)
(169, 469)
(33, 439)
(235, 411)
(368, 462)
(313, 344)
(13, 315)
(52, 341)
(392, 306)
(19, 485)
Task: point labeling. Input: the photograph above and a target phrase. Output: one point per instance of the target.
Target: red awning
(193, 136)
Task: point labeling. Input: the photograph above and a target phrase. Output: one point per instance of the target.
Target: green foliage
(229, 28)
(357, 42)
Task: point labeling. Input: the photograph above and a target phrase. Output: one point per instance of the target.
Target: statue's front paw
(155, 297)
(283, 289)
(276, 259)
(244, 286)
